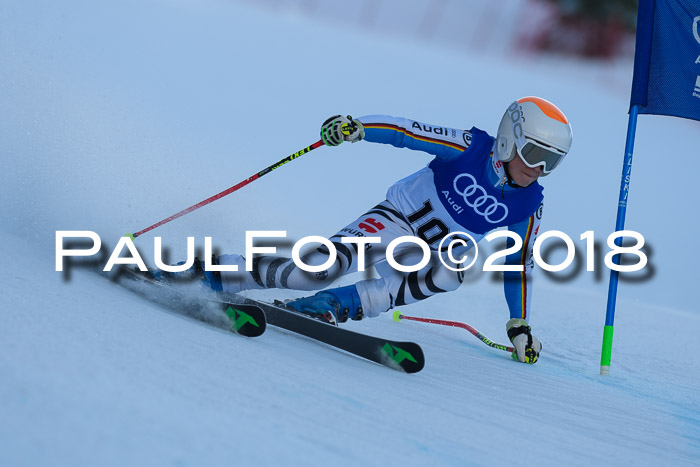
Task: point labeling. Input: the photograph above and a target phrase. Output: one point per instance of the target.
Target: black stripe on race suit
(460, 276)
(285, 274)
(414, 287)
(394, 212)
(344, 245)
(400, 301)
(272, 272)
(342, 248)
(400, 221)
(431, 284)
(256, 272)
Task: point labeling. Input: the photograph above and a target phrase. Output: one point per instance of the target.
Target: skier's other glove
(337, 129)
(527, 347)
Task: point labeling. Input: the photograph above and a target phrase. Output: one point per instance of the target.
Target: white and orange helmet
(537, 131)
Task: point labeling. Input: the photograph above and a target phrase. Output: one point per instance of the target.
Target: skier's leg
(382, 221)
(395, 288)
(374, 296)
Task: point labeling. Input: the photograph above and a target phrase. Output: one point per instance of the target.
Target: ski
(249, 317)
(245, 319)
(403, 356)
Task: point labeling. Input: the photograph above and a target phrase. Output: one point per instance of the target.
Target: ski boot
(332, 306)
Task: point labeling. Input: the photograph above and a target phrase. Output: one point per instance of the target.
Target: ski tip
(403, 356)
(246, 320)
(397, 316)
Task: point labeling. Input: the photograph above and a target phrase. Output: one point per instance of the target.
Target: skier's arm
(443, 142)
(518, 288)
(517, 285)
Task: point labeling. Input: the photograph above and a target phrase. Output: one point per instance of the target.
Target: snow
(118, 115)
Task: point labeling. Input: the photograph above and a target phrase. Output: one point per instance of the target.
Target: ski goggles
(533, 154)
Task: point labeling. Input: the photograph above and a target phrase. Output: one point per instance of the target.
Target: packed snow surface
(118, 114)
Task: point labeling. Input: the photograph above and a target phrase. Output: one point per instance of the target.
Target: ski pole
(398, 316)
(228, 191)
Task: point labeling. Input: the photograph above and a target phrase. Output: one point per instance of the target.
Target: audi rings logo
(475, 196)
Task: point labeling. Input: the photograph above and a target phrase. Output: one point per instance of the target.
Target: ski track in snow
(108, 131)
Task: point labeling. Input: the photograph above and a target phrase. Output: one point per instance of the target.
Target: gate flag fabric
(667, 58)
(666, 81)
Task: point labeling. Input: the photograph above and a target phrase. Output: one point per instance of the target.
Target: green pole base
(397, 316)
(606, 353)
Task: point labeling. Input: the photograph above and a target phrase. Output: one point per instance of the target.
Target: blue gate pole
(619, 225)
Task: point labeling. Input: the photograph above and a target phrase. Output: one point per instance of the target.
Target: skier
(475, 184)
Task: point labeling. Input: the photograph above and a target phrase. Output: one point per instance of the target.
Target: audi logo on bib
(475, 197)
